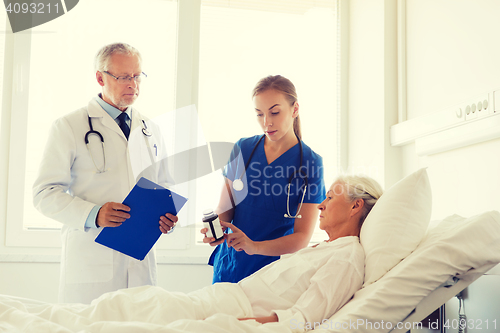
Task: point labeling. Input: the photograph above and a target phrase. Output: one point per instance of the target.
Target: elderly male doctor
(82, 185)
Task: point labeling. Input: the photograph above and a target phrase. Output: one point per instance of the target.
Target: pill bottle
(212, 223)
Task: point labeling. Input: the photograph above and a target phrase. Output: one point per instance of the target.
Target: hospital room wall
(452, 55)
(452, 52)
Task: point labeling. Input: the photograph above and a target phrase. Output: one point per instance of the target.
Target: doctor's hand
(239, 240)
(167, 222)
(112, 214)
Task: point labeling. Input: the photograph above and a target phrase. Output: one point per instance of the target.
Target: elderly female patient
(307, 286)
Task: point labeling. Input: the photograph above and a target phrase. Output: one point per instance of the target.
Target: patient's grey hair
(103, 56)
(361, 187)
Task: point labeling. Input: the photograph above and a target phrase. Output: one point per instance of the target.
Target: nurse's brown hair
(284, 86)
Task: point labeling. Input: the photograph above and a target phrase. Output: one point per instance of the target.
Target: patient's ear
(357, 206)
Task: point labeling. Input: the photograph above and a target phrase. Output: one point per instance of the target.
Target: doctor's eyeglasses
(127, 79)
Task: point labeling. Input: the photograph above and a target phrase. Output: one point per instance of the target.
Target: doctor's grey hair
(101, 62)
(361, 187)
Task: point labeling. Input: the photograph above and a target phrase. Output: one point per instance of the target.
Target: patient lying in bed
(300, 288)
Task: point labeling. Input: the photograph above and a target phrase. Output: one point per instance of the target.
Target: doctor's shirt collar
(111, 110)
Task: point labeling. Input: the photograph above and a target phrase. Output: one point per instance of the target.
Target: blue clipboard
(138, 234)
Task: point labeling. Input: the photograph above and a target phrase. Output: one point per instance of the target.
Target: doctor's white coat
(69, 185)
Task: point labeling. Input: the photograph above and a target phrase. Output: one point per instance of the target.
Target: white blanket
(307, 286)
(159, 311)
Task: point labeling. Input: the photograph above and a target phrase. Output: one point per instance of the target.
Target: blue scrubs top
(262, 204)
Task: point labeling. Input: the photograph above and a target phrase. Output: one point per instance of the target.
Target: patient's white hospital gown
(309, 285)
(301, 288)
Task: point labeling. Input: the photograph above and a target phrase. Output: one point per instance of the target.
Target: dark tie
(123, 124)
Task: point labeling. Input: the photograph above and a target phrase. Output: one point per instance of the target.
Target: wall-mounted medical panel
(473, 121)
(480, 130)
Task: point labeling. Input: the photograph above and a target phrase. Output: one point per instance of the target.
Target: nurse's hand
(167, 222)
(239, 240)
(211, 240)
(112, 214)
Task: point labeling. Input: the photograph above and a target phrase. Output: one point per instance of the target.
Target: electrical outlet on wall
(484, 107)
(470, 111)
(477, 107)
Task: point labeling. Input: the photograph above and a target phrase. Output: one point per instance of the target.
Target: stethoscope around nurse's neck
(238, 183)
(145, 131)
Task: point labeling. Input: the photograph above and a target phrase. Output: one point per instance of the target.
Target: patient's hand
(269, 319)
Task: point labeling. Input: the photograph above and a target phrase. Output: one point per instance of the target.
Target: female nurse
(273, 183)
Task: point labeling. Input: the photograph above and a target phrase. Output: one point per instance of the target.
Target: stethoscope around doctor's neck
(238, 183)
(92, 132)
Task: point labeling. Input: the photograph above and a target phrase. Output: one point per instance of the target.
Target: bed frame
(440, 296)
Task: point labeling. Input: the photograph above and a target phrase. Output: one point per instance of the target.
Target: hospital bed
(412, 266)
(411, 269)
(451, 256)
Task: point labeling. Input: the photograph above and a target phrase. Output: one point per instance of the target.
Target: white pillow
(396, 224)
